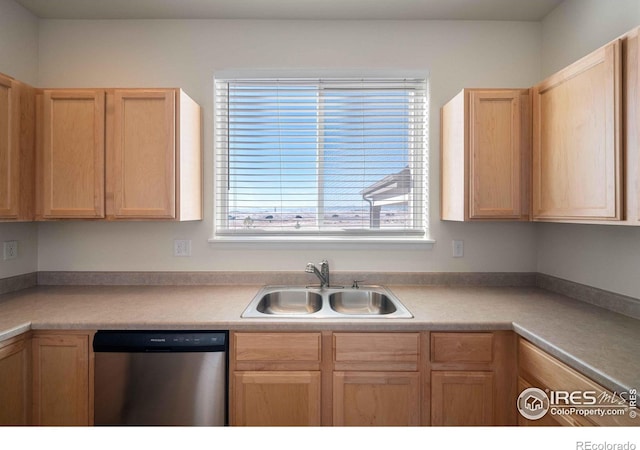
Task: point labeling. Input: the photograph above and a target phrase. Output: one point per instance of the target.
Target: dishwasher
(163, 378)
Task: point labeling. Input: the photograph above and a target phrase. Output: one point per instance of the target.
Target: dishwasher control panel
(159, 341)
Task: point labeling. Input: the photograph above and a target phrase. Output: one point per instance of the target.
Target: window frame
(418, 152)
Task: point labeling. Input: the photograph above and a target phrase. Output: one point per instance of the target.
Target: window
(328, 157)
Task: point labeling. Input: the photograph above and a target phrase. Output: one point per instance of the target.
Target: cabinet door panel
(72, 155)
(8, 149)
(14, 382)
(462, 398)
(143, 176)
(61, 380)
(376, 398)
(494, 154)
(276, 398)
(577, 134)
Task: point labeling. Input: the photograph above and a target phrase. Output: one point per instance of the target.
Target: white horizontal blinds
(320, 156)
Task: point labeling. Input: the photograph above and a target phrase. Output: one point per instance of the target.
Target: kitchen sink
(361, 302)
(374, 302)
(290, 302)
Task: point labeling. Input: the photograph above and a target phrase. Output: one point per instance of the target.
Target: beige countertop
(601, 344)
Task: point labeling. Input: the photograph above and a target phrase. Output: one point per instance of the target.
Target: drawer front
(553, 374)
(461, 347)
(251, 350)
(376, 351)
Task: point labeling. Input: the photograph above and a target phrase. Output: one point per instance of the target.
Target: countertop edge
(575, 363)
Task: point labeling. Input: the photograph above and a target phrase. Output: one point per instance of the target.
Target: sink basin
(361, 302)
(373, 302)
(290, 302)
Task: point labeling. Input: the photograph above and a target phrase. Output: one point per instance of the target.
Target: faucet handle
(355, 284)
(310, 268)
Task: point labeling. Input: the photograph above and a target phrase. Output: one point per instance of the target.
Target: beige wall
(18, 59)
(577, 27)
(188, 54)
(18, 42)
(607, 257)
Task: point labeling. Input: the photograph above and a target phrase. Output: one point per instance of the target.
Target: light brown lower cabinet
(538, 369)
(472, 378)
(275, 379)
(376, 398)
(373, 379)
(277, 398)
(62, 378)
(320, 378)
(549, 420)
(376, 379)
(15, 377)
(462, 398)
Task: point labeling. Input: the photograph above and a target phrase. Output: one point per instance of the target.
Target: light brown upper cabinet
(123, 154)
(17, 150)
(154, 166)
(631, 77)
(577, 140)
(71, 154)
(485, 155)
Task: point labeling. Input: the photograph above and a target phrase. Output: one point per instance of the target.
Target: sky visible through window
(304, 157)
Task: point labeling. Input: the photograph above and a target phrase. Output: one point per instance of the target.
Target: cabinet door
(631, 52)
(495, 154)
(275, 398)
(462, 398)
(14, 382)
(485, 155)
(142, 178)
(577, 140)
(61, 379)
(9, 149)
(72, 154)
(376, 398)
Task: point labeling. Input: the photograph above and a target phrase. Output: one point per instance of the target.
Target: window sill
(341, 242)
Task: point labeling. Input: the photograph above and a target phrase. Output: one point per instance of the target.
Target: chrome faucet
(322, 274)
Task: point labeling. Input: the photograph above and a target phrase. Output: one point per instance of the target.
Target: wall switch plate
(182, 247)
(10, 250)
(457, 249)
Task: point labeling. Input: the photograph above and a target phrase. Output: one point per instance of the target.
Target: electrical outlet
(182, 247)
(10, 250)
(457, 249)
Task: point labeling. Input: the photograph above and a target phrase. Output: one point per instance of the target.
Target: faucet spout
(322, 274)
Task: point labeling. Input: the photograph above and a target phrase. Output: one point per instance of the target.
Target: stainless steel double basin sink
(373, 302)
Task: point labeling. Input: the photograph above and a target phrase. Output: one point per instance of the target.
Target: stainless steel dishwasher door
(160, 388)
